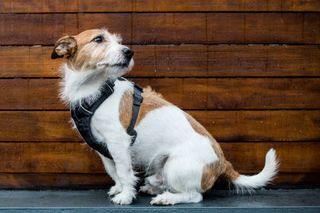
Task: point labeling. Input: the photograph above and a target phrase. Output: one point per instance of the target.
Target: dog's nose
(128, 53)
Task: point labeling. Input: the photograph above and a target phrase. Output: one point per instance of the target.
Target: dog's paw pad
(116, 189)
(123, 198)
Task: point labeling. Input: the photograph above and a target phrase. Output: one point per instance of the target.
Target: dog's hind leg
(182, 179)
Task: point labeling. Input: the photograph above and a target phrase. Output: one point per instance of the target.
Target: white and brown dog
(181, 159)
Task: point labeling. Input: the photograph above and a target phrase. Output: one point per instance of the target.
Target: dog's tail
(247, 184)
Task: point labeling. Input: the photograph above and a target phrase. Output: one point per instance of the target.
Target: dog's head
(95, 50)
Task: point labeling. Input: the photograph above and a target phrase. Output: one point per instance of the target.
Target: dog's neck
(78, 85)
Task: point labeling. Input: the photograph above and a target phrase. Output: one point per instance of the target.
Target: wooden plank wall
(248, 70)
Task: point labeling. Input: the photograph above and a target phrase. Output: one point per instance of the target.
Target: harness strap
(82, 115)
(83, 112)
(137, 100)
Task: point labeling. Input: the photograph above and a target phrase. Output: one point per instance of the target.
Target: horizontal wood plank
(188, 93)
(35, 28)
(102, 181)
(178, 61)
(45, 181)
(276, 125)
(226, 60)
(261, 125)
(166, 28)
(226, 5)
(48, 28)
(49, 6)
(35, 6)
(67, 157)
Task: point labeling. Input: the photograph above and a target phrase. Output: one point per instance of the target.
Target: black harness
(83, 111)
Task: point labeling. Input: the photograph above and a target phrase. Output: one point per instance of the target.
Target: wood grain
(49, 181)
(116, 23)
(188, 93)
(29, 94)
(226, 28)
(279, 125)
(182, 60)
(47, 6)
(32, 61)
(226, 60)
(48, 28)
(166, 28)
(68, 157)
(230, 125)
(30, 29)
(35, 6)
(226, 5)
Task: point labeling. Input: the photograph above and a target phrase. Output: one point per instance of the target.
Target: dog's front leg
(119, 145)
(111, 170)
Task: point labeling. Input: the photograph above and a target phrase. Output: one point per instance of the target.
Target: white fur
(246, 183)
(167, 146)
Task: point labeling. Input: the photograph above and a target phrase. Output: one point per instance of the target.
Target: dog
(181, 158)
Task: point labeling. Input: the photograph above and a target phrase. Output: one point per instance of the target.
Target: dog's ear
(65, 46)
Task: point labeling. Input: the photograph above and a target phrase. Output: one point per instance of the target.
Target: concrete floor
(298, 200)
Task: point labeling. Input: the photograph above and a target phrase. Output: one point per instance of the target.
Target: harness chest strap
(83, 112)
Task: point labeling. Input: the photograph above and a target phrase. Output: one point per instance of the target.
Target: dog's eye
(98, 39)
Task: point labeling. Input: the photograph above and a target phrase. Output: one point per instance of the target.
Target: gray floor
(218, 201)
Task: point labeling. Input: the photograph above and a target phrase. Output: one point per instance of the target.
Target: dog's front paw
(116, 189)
(123, 198)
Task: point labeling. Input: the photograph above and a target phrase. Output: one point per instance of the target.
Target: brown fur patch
(212, 171)
(151, 101)
(89, 53)
(210, 174)
(86, 36)
(125, 108)
(230, 173)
